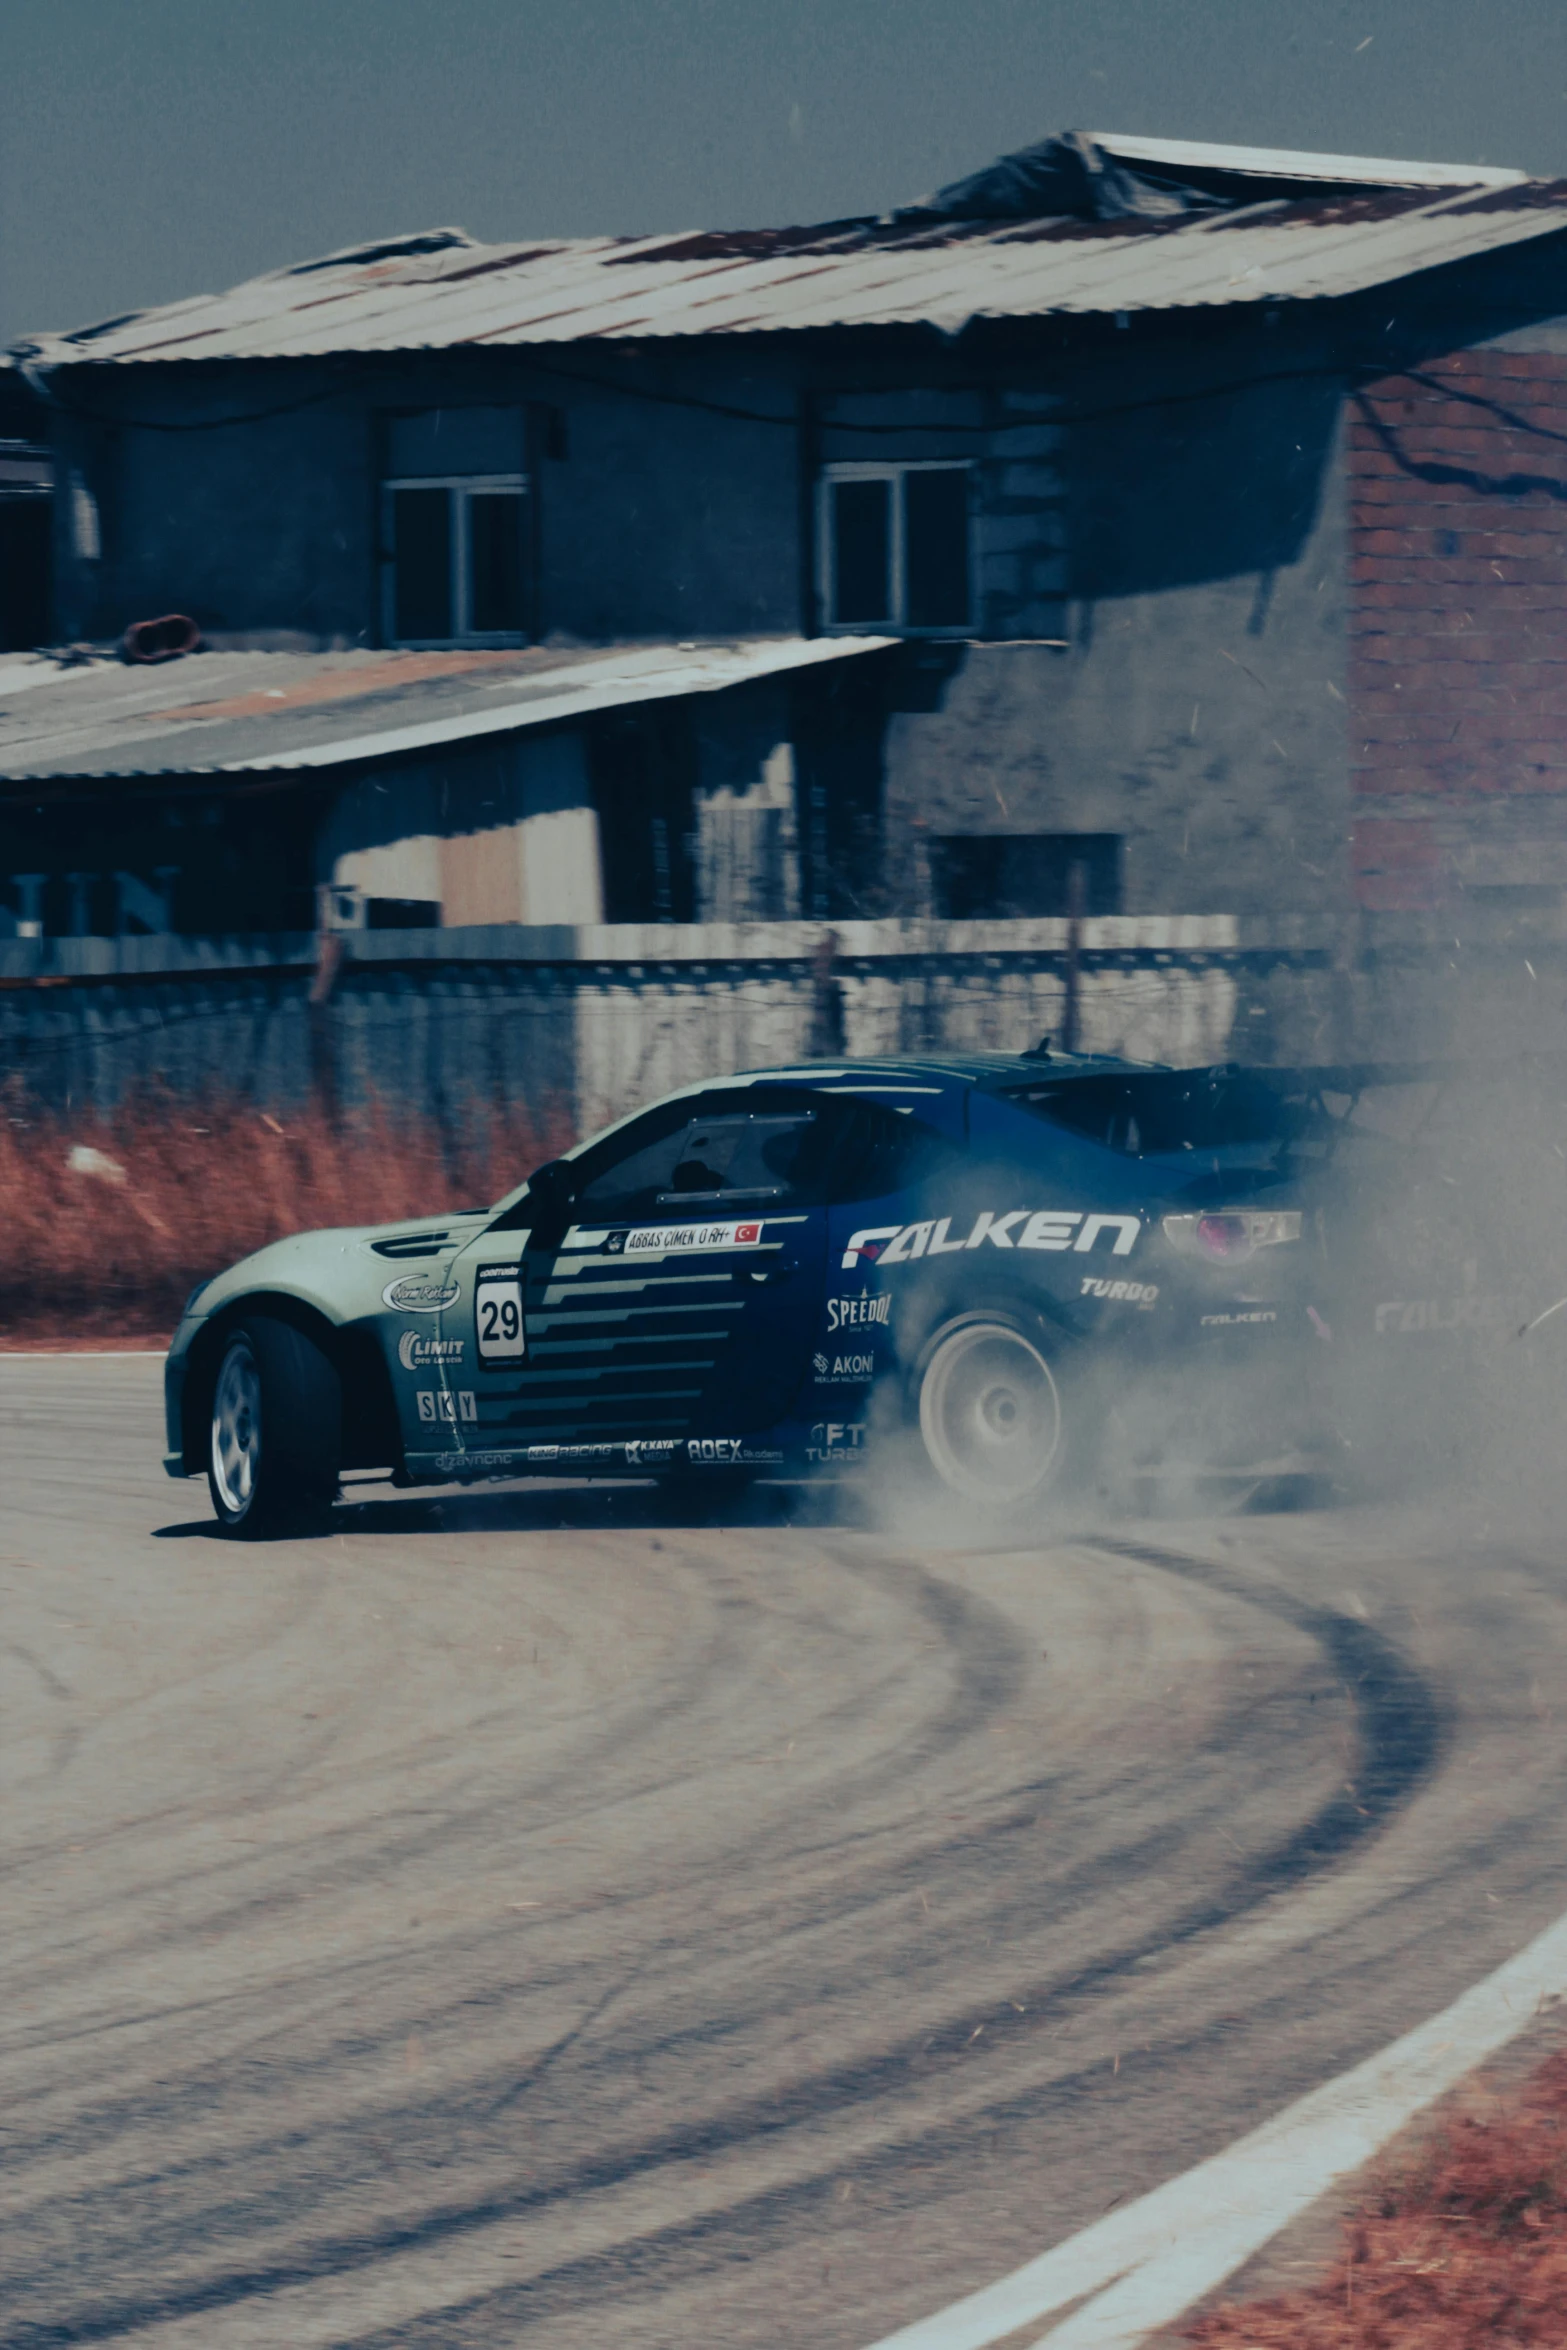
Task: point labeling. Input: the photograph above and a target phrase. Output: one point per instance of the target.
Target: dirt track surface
(530, 1917)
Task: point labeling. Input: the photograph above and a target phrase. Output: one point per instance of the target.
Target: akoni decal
(1041, 1228)
(418, 1293)
(415, 1353)
(829, 1369)
(851, 1313)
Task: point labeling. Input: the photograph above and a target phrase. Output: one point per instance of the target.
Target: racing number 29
(498, 1305)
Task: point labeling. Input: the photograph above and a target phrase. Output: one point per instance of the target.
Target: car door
(671, 1304)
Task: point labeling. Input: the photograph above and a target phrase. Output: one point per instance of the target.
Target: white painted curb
(1147, 2263)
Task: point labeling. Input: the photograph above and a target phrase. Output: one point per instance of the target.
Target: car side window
(734, 1149)
(883, 1150)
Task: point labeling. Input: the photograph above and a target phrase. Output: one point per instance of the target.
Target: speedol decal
(853, 1313)
(497, 1306)
(1047, 1228)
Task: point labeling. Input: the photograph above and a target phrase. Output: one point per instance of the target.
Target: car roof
(943, 1070)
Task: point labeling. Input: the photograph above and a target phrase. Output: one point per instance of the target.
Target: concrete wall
(587, 1022)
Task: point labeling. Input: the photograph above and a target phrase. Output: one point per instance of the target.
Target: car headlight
(1225, 1236)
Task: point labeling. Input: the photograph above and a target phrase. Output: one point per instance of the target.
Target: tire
(991, 1414)
(275, 1441)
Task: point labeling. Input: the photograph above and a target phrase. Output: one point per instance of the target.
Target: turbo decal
(416, 1353)
(1131, 1293)
(1042, 1228)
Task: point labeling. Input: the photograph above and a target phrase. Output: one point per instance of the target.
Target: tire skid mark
(1400, 1732)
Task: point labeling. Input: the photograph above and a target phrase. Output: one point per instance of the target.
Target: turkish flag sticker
(747, 1235)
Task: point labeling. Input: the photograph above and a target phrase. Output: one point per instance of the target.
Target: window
(453, 560)
(893, 544)
(1004, 875)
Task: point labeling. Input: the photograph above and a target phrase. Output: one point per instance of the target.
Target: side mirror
(552, 1187)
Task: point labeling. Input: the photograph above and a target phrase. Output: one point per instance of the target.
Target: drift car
(997, 1261)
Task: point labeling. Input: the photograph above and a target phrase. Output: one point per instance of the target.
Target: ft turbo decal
(1042, 1228)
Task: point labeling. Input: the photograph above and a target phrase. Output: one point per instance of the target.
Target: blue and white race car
(999, 1263)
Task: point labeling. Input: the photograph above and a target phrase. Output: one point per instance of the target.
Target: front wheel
(276, 1438)
(990, 1412)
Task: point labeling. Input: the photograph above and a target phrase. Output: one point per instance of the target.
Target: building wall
(1458, 681)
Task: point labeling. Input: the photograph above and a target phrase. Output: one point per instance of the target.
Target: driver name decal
(417, 1293)
(1030, 1228)
(662, 1239)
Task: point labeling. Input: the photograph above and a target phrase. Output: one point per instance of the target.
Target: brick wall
(1458, 617)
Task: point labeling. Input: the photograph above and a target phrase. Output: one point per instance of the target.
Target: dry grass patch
(1466, 2249)
(107, 1224)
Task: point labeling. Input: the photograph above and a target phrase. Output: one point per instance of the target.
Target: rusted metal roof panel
(236, 714)
(443, 291)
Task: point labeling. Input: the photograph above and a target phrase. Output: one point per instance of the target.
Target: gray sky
(155, 148)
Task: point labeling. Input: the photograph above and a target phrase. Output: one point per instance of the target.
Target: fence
(593, 1020)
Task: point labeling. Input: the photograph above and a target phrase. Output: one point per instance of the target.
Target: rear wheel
(276, 1436)
(990, 1412)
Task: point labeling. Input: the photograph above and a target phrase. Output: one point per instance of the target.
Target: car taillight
(1227, 1235)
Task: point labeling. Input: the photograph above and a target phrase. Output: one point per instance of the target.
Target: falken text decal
(1042, 1228)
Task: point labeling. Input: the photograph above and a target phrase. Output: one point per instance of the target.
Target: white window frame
(893, 471)
(517, 485)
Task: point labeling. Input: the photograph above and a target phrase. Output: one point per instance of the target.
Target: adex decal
(415, 1353)
(851, 1313)
(417, 1293)
(718, 1452)
(438, 1403)
(1042, 1228)
(1128, 1293)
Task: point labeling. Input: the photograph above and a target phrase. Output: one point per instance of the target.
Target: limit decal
(498, 1313)
(416, 1353)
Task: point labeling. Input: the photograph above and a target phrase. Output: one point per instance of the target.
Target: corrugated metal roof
(442, 290)
(1290, 163)
(280, 713)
